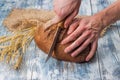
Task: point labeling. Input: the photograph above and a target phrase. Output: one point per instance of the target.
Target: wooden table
(105, 65)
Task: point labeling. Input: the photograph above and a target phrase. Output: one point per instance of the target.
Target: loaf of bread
(43, 38)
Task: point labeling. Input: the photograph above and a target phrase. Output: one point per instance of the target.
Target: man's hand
(64, 9)
(83, 32)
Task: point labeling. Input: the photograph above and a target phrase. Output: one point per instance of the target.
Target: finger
(83, 46)
(77, 42)
(73, 35)
(70, 18)
(55, 20)
(72, 15)
(93, 50)
(73, 26)
(62, 10)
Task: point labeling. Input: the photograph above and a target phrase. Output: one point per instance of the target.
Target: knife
(53, 43)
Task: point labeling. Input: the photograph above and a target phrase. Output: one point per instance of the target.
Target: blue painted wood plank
(64, 70)
(34, 68)
(108, 48)
(6, 72)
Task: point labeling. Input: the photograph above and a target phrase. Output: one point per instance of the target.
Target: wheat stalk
(15, 45)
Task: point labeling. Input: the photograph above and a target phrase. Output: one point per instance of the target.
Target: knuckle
(72, 27)
(84, 45)
(77, 52)
(84, 27)
(86, 34)
(70, 48)
(79, 42)
(76, 43)
(73, 36)
(67, 21)
(93, 36)
(59, 12)
(76, 12)
(67, 39)
(89, 32)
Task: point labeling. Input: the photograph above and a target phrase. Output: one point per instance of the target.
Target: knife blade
(53, 43)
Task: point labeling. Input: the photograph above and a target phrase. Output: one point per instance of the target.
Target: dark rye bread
(44, 42)
(14, 21)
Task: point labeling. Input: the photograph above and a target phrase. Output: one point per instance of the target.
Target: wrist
(99, 19)
(110, 14)
(101, 16)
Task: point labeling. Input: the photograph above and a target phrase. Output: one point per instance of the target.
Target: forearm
(111, 14)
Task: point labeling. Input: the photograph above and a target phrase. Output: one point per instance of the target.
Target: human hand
(83, 31)
(64, 9)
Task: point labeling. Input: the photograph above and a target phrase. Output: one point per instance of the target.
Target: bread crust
(44, 43)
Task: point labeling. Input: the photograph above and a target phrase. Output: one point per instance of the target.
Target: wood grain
(104, 66)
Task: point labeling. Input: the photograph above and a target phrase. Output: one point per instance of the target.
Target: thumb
(53, 21)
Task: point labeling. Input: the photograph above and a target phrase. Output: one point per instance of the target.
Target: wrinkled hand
(64, 9)
(83, 32)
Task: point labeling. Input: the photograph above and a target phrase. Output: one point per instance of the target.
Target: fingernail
(72, 55)
(65, 51)
(87, 59)
(62, 42)
(68, 32)
(66, 25)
